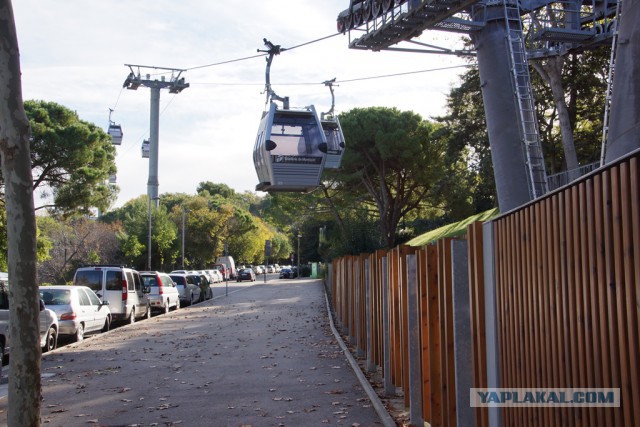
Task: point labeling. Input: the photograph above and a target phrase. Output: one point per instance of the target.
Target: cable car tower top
(175, 84)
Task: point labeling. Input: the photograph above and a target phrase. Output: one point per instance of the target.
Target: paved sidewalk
(262, 356)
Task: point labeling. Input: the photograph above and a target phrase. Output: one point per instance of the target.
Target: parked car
(258, 269)
(188, 290)
(287, 273)
(205, 287)
(224, 271)
(48, 324)
(246, 274)
(162, 293)
(271, 269)
(209, 275)
(216, 274)
(79, 310)
(120, 286)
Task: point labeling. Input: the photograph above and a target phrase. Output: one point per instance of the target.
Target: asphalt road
(263, 355)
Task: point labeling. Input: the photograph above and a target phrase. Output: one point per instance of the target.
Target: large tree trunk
(24, 375)
(551, 73)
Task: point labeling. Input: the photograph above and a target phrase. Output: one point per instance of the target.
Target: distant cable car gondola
(334, 148)
(115, 131)
(145, 149)
(287, 153)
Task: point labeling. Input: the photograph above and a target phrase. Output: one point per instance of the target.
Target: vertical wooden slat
(446, 331)
(425, 275)
(632, 276)
(579, 288)
(620, 293)
(434, 338)
(601, 284)
(550, 245)
(570, 302)
(589, 379)
(612, 324)
(529, 280)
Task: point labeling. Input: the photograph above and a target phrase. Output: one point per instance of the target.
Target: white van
(120, 286)
(229, 263)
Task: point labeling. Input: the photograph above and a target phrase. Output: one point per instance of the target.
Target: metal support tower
(525, 104)
(612, 68)
(175, 84)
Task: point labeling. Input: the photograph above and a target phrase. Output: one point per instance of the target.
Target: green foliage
(394, 165)
(71, 159)
(74, 242)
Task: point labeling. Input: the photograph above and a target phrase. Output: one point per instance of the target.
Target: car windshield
(90, 278)
(56, 296)
(178, 279)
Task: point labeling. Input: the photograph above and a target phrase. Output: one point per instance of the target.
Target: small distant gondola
(334, 148)
(114, 131)
(287, 154)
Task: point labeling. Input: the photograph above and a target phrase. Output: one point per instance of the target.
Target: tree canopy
(71, 160)
(394, 162)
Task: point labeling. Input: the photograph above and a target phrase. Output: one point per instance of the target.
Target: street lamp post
(298, 257)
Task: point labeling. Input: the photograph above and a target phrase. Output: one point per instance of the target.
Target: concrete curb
(386, 419)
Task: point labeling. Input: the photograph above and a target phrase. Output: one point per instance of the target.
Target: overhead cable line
(342, 81)
(405, 73)
(260, 54)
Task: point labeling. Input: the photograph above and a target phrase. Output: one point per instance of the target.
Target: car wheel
(166, 307)
(80, 333)
(132, 316)
(52, 340)
(107, 324)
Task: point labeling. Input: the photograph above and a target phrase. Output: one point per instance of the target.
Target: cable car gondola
(334, 149)
(114, 131)
(287, 154)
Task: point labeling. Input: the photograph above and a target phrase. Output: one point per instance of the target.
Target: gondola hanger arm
(272, 51)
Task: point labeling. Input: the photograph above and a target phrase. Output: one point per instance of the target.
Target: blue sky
(73, 52)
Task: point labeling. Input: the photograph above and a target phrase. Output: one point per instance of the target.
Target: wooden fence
(545, 296)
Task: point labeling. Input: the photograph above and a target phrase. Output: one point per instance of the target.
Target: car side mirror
(105, 302)
(42, 307)
(146, 290)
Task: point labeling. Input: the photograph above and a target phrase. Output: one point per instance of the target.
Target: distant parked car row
(104, 294)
